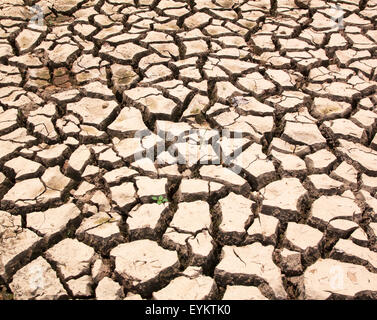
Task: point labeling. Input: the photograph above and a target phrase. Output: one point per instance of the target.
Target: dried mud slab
(329, 277)
(143, 265)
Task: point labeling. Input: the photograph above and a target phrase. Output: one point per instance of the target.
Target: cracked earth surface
(283, 207)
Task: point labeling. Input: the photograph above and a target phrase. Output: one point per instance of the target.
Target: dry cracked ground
(268, 180)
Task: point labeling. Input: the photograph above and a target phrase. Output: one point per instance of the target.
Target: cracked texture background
(293, 82)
